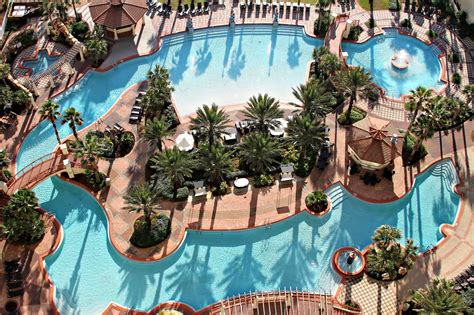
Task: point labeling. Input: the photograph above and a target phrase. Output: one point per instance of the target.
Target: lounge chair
(118, 128)
(12, 285)
(193, 9)
(134, 119)
(186, 10)
(199, 8)
(286, 178)
(15, 293)
(206, 7)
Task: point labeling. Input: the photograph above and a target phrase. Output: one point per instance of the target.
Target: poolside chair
(187, 10)
(118, 127)
(134, 119)
(15, 293)
(206, 7)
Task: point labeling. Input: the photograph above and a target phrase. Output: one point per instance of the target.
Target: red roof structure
(116, 14)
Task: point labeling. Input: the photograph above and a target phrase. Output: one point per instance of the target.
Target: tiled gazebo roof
(117, 13)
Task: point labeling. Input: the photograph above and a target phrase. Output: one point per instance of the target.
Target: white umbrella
(185, 142)
(280, 129)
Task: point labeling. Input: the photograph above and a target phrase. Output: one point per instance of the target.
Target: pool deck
(263, 206)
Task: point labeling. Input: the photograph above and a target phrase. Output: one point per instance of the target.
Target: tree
(353, 83)
(264, 110)
(210, 122)
(438, 297)
(73, 119)
(318, 53)
(4, 71)
(329, 64)
(386, 235)
(216, 162)
(157, 131)
(22, 221)
(305, 133)
(142, 198)
(468, 90)
(314, 99)
(422, 129)
(172, 166)
(259, 152)
(49, 111)
(96, 45)
(89, 150)
(158, 95)
(418, 100)
(323, 12)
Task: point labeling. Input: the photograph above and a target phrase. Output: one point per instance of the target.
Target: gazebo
(373, 143)
(118, 16)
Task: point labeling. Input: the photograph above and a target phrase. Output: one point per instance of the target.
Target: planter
(11, 307)
(317, 202)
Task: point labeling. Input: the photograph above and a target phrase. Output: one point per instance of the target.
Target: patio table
(241, 182)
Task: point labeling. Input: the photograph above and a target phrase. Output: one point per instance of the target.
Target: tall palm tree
(73, 118)
(210, 122)
(259, 151)
(142, 198)
(97, 49)
(157, 131)
(172, 166)
(386, 235)
(438, 297)
(49, 111)
(216, 161)
(264, 110)
(329, 64)
(89, 150)
(353, 83)
(314, 99)
(322, 10)
(422, 129)
(418, 100)
(304, 133)
(159, 91)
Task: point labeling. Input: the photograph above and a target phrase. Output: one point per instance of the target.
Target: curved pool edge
(159, 306)
(441, 58)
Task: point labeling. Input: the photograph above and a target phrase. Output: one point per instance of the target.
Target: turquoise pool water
(42, 63)
(376, 54)
(209, 266)
(221, 65)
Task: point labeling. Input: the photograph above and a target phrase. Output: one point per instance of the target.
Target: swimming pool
(222, 65)
(43, 62)
(209, 266)
(376, 54)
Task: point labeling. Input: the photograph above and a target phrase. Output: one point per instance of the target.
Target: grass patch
(356, 115)
(377, 4)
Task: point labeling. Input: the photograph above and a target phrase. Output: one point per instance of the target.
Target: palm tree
(304, 133)
(353, 82)
(216, 162)
(314, 99)
(142, 198)
(259, 151)
(423, 129)
(159, 91)
(172, 166)
(329, 64)
(438, 297)
(264, 110)
(418, 100)
(4, 71)
(89, 150)
(210, 122)
(322, 8)
(97, 49)
(386, 235)
(157, 131)
(49, 111)
(73, 118)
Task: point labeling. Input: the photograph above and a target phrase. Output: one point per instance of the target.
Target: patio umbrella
(185, 142)
(280, 129)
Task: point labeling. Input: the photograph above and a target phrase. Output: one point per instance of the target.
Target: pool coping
(443, 227)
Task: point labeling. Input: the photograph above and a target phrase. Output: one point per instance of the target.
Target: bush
(354, 33)
(454, 58)
(170, 116)
(394, 5)
(324, 26)
(143, 236)
(125, 144)
(221, 190)
(263, 180)
(166, 193)
(79, 30)
(406, 23)
(356, 115)
(409, 157)
(316, 201)
(95, 180)
(432, 34)
(456, 78)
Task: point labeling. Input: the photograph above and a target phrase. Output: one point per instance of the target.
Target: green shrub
(95, 180)
(406, 23)
(354, 33)
(79, 30)
(26, 38)
(220, 190)
(144, 236)
(5, 175)
(170, 116)
(166, 193)
(125, 144)
(263, 180)
(409, 157)
(454, 58)
(432, 34)
(356, 115)
(290, 155)
(394, 5)
(456, 78)
(316, 201)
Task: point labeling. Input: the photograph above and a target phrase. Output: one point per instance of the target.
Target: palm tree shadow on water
(229, 42)
(204, 56)
(179, 60)
(237, 61)
(273, 42)
(294, 52)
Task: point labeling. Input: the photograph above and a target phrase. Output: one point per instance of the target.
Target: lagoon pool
(376, 54)
(222, 65)
(43, 62)
(209, 266)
